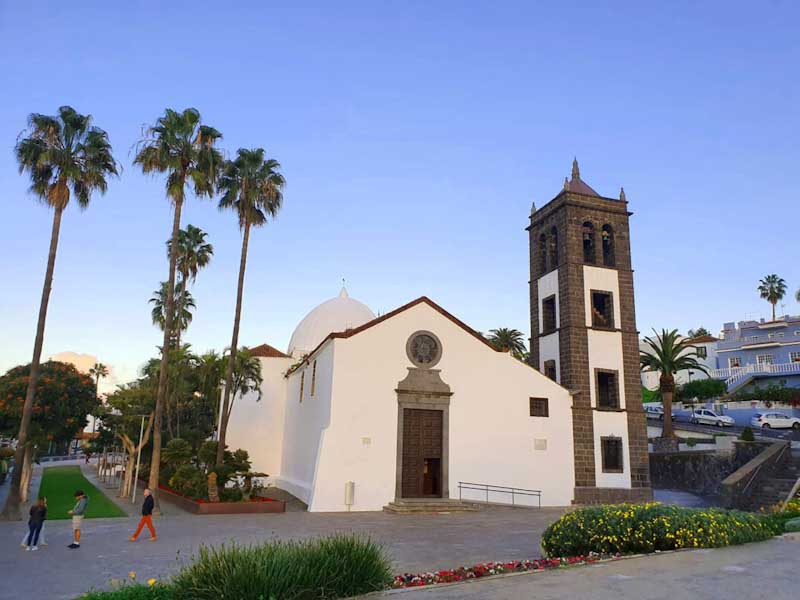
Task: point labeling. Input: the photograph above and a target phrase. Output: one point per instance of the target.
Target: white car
(777, 420)
(709, 417)
(656, 412)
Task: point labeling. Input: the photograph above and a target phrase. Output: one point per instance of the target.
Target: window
(607, 389)
(542, 254)
(612, 454)
(794, 357)
(764, 359)
(734, 362)
(550, 369)
(702, 352)
(314, 378)
(751, 338)
(797, 333)
(588, 243)
(602, 310)
(540, 407)
(549, 314)
(607, 235)
(553, 248)
(302, 385)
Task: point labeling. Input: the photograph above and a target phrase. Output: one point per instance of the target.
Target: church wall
(257, 426)
(491, 433)
(305, 423)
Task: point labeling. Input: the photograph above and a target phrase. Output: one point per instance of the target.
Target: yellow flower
(151, 582)
(132, 574)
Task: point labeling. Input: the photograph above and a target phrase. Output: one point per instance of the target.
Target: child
(77, 518)
(38, 514)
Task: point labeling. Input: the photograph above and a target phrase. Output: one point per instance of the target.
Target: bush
(747, 435)
(642, 528)
(190, 481)
(231, 494)
(330, 567)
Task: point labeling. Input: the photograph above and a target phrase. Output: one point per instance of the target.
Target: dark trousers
(36, 529)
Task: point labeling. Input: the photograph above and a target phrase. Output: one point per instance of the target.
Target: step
(428, 505)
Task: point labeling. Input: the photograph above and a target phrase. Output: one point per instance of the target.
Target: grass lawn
(59, 485)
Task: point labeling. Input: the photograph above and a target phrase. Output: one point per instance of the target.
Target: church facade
(365, 412)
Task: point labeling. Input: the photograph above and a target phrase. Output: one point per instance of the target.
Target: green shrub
(747, 435)
(642, 528)
(231, 495)
(331, 567)
(133, 592)
(792, 525)
(191, 481)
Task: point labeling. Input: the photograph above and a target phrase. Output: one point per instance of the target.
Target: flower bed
(204, 507)
(493, 568)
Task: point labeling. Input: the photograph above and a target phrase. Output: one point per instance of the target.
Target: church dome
(337, 314)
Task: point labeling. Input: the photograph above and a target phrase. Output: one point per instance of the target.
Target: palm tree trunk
(155, 460)
(12, 508)
(234, 344)
(668, 430)
(773, 310)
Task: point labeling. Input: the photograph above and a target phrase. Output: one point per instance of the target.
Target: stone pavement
(763, 570)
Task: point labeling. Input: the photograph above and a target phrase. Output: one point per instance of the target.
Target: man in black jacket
(147, 517)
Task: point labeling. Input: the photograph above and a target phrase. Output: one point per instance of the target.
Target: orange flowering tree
(64, 397)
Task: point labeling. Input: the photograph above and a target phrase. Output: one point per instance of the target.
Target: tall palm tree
(246, 379)
(252, 187)
(194, 253)
(183, 305)
(668, 354)
(772, 289)
(98, 371)
(64, 155)
(182, 148)
(508, 340)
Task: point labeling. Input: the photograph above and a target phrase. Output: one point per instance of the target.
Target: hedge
(643, 528)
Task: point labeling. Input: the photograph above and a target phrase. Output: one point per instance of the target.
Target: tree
(668, 354)
(772, 289)
(64, 155)
(246, 379)
(98, 371)
(252, 187)
(508, 340)
(194, 253)
(126, 407)
(696, 333)
(183, 305)
(702, 389)
(182, 148)
(63, 398)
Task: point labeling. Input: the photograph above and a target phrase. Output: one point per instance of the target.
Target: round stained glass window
(424, 349)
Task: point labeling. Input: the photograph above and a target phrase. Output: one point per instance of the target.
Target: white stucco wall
(611, 424)
(491, 433)
(305, 423)
(600, 280)
(548, 286)
(257, 426)
(549, 344)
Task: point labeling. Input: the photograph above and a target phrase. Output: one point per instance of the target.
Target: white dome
(334, 315)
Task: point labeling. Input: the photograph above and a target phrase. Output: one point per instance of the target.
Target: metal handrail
(795, 489)
(501, 489)
(758, 468)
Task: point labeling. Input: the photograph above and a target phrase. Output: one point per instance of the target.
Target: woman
(38, 514)
(42, 539)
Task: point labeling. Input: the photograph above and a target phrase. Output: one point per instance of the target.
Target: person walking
(147, 517)
(78, 511)
(38, 514)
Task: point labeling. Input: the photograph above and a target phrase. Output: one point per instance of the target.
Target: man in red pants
(147, 517)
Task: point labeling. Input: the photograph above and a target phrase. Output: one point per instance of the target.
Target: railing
(735, 374)
(793, 493)
(499, 489)
(775, 461)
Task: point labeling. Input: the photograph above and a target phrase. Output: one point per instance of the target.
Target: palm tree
(772, 289)
(64, 155)
(252, 187)
(508, 340)
(98, 371)
(182, 148)
(183, 305)
(194, 253)
(246, 379)
(668, 354)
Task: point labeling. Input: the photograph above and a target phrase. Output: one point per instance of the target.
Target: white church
(364, 412)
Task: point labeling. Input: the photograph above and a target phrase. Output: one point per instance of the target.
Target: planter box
(222, 508)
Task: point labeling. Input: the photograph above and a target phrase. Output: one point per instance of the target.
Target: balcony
(737, 376)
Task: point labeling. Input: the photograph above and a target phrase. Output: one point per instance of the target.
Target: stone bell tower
(583, 335)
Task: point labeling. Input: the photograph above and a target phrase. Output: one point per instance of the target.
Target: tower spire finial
(622, 194)
(566, 183)
(576, 173)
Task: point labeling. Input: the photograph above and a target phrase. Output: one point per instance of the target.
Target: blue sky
(414, 137)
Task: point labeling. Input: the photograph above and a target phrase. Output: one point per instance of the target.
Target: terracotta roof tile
(267, 351)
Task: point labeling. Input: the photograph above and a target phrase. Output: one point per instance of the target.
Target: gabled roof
(703, 339)
(389, 315)
(267, 351)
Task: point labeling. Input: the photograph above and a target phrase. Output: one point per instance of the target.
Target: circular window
(424, 349)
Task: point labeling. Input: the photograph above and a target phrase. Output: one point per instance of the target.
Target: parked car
(777, 420)
(709, 417)
(656, 412)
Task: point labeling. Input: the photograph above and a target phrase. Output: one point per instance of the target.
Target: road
(774, 434)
